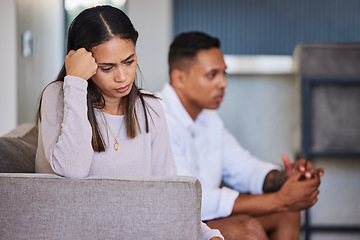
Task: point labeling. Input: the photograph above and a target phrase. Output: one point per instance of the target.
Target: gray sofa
(46, 206)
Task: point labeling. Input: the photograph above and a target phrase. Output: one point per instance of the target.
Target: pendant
(116, 145)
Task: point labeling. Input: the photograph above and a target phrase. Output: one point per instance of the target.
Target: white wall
(24, 78)
(8, 97)
(256, 110)
(153, 21)
(45, 19)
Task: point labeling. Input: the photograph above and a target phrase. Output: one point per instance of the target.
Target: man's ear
(178, 78)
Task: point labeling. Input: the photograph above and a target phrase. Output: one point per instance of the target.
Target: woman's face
(117, 62)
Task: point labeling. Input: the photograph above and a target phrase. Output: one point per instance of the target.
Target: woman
(93, 119)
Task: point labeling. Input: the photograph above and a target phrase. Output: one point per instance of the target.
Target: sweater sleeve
(66, 131)
(164, 162)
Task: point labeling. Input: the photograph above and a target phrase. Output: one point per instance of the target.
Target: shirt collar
(172, 102)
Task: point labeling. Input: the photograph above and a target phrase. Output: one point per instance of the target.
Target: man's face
(205, 82)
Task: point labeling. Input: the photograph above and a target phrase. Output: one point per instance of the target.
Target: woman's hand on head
(80, 63)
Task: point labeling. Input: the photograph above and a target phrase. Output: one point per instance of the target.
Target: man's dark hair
(186, 45)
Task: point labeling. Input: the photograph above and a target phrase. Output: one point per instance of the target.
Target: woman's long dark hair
(90, 28)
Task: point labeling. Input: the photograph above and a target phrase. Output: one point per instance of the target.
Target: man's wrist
(273, 181)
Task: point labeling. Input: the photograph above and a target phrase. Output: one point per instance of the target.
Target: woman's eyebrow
(107, 64)
(112, 64)
(127, 59)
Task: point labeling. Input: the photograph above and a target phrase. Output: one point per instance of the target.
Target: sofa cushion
(18, 150)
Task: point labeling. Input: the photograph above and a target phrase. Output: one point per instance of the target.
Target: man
(205, 149)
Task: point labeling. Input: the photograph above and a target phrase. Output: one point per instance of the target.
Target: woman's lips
(123, 90)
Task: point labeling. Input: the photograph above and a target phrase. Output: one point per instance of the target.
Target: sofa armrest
(45, 206)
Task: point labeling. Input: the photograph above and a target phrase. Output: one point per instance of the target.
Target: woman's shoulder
(52, 96)
(53, 88)
(151, 100)
(152, 107)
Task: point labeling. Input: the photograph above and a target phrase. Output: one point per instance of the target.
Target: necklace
(116, 144)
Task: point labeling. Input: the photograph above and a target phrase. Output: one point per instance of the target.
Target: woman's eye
(106, 69)
(129, 62)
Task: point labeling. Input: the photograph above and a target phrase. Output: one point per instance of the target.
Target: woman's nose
(120, 75)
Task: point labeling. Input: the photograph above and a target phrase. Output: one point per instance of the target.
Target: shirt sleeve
(66, 131)
(208, 233)
(216, 202)
(241, 170)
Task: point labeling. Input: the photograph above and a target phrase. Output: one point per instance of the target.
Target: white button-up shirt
(206, 150)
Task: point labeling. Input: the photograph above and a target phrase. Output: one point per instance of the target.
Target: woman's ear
(178, 78)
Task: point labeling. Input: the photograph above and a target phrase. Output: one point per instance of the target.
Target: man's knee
(252, 224)
(239, 227)
(249, 227)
